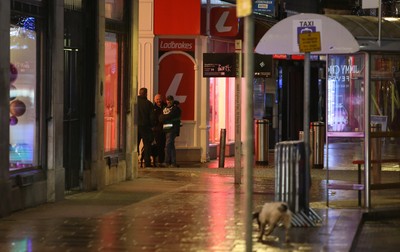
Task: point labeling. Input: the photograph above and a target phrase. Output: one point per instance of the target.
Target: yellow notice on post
(243, 8)
(310, 42)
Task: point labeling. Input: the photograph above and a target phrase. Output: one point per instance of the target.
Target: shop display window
(23, 93)
(111, 96)
(345, 95)
(222, 108)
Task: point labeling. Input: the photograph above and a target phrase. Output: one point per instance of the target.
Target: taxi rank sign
(304, 26)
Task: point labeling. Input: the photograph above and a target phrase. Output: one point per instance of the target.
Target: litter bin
(290, 177)
(292, 184)
(317, 141)
(261, 139)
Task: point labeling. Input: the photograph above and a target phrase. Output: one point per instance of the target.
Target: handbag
(167, 126)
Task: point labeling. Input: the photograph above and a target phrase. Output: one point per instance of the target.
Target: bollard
(261, 141)
(222, 138)
(317, 141)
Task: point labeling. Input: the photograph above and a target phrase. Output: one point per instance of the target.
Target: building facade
(171, 60)
(68, 72)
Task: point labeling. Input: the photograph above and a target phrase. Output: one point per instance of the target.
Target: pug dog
(271, 214)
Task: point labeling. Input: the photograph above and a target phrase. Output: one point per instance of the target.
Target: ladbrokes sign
(176, 72)
(173, 45)
(168, 44)
(223, 22)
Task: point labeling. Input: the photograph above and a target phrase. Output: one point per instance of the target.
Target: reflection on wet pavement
(183, 209)
(204, 214)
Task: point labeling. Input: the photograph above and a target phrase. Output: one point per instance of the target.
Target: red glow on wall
(111, 96)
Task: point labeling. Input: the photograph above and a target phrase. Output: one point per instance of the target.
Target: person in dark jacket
(159, 134)
(171, 119)
(145, 123)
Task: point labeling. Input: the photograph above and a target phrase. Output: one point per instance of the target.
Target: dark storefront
(66, 76)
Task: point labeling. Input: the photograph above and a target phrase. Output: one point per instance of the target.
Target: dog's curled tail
(283, 208)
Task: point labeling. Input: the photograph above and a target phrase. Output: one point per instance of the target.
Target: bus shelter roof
(339, 34)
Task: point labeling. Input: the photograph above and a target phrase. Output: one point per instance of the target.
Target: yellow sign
(310, 42)
(244, 8)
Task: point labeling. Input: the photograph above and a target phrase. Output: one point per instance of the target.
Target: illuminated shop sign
(262, 65)
(313, 57)
(177, 45)
(226, 64)
(177, 78)
(219, 65)
(224, 22)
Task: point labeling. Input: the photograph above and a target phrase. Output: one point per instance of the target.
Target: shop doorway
(290, 97)
(73, 140)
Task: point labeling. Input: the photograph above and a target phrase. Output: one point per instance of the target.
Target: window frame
(42, 105)
(120, 28)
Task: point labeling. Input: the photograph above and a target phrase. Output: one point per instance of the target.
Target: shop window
(113, 93)
(24, 107)
(222, 107)
(114, 9)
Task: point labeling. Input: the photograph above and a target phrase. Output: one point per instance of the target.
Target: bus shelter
(362, 87)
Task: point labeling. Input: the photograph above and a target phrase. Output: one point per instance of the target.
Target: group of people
(158, 126)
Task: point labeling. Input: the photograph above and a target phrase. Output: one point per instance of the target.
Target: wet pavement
(379, 234)
(194, 208)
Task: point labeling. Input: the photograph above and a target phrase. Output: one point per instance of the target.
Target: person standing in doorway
(145, 123)
(159, 134)
(171, 119)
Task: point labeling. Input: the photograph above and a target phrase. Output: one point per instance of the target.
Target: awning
(261, 26)
(365, 30)
(366, 27)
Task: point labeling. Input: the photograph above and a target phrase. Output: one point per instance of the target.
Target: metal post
(222, 141)
(367, 135)
(248, 141)
(306, 121)
(379, 22)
